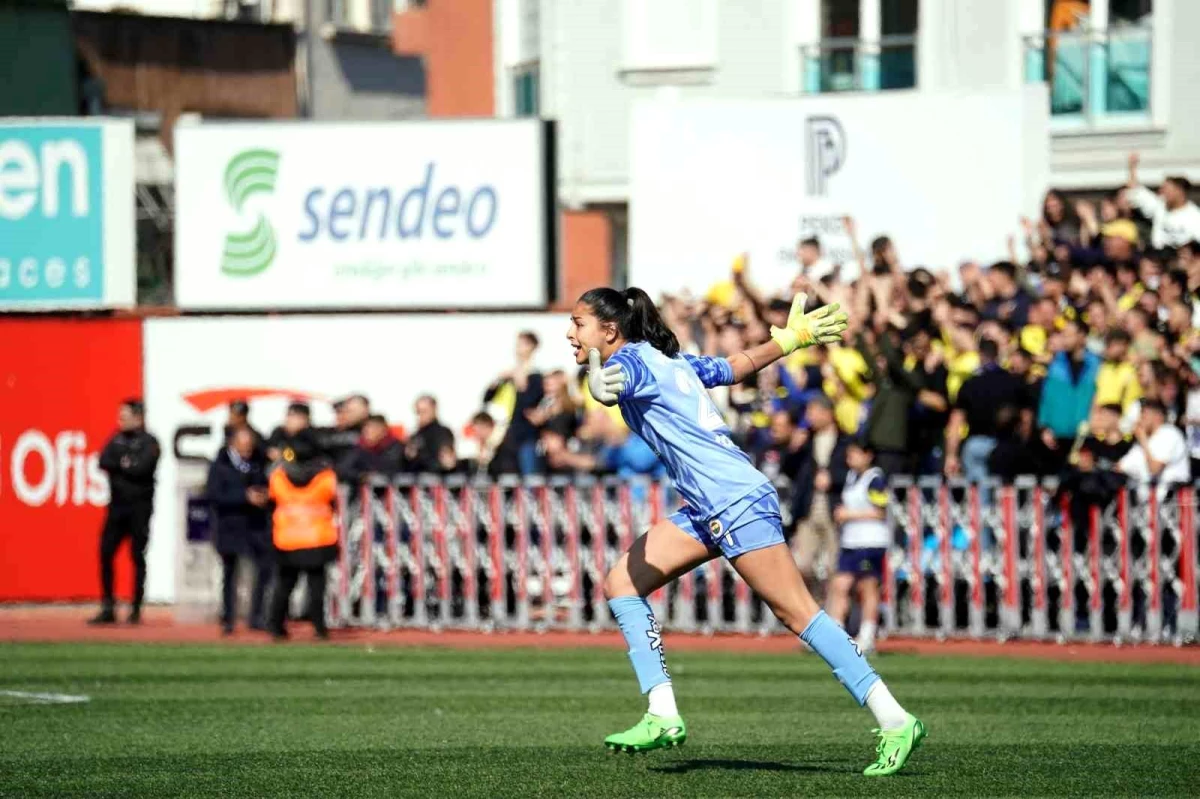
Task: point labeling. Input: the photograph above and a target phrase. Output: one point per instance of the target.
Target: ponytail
(635, 316)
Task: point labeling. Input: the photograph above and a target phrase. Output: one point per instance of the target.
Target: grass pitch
(298, 720)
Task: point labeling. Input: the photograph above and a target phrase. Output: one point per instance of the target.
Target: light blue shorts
(748, 524)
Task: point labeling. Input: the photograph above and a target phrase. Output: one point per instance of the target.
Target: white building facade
(1121, 73)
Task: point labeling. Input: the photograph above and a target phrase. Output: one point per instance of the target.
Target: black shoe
(255, 624)
(322, 633)
(135, 616)
(278, 633)
(226, 628)
(105, 616)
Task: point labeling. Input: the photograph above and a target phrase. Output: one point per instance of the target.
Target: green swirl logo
(250, 172)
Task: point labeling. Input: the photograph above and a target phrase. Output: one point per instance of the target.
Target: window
(897, 45)
(839, 19)
(525, 90)
(1095, 56)
(866, 45)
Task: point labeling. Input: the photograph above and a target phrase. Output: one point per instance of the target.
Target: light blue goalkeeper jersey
(665, 402)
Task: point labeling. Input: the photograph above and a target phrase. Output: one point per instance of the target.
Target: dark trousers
(262, 578)
(285, 582)
(895, 463)
(121, 522)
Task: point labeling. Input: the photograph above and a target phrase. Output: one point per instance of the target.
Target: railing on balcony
(851, 65)
(1093, 75)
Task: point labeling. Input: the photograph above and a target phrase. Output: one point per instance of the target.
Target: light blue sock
(644, 636)
(829, 640)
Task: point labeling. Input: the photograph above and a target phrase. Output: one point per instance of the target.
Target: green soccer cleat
(652, 732)
(895, 747)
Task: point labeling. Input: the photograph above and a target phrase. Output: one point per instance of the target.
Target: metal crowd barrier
(987, 560)
(1028, 560)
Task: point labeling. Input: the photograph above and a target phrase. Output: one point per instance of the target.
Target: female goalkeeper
(731, 509)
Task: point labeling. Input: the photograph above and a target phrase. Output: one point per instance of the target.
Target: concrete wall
(360, 78)
(589, 88)
(453, 38)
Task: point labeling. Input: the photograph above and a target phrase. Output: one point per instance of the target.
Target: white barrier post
(975, 613)
(521, 544)
(395, 594)
(469, 541)
(1125, 589)
(1096, 580)
(916, 574)
(599, 556)
(1039, 618)
(1189, 602)
(418, 574)
(574, 563)
(1066, 597)
(1010, 585)
(946, 582)
(1154, 600)
(497, 574)
(366, 557)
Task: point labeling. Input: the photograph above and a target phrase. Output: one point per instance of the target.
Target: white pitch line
(47, 699)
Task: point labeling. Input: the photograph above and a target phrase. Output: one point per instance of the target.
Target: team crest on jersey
(714, 529)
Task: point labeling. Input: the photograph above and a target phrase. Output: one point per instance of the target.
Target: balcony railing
(851, 65)
(1093, 75)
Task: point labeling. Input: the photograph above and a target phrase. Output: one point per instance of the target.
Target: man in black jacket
(298, 418)
(239, 418)
(129, 458)
(987, 397)
(781, 454)
(518, 449)
(817, 484)
(430, 450)
(377, 453)
(340, 440)
(237, 489)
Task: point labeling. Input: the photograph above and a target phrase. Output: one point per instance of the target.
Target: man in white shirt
(1161, 452)
(812, 265)
(1175, 219)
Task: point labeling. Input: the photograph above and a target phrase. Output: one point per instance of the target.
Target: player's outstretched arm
(825, 325)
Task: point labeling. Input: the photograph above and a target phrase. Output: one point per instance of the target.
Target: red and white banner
(195, 366)
(61, 384)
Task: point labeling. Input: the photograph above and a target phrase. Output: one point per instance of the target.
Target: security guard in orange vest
(304, 491)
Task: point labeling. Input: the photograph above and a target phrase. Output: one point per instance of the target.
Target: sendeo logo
(249, 173)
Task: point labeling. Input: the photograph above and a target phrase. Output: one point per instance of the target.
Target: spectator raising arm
(1139, 196)
(1175, 220)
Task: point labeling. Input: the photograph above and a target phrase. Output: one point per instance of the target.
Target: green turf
(348, 721)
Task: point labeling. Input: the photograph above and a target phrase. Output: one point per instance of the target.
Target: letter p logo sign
(824, 151)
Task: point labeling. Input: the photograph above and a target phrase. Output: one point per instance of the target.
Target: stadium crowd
(1085, 354)
(1081, 361)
